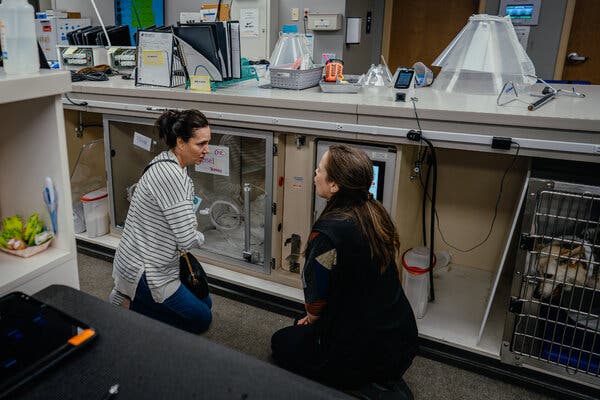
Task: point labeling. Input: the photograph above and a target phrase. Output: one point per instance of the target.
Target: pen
(537, 104)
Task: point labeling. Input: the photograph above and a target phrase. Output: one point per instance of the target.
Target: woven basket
(284, 78)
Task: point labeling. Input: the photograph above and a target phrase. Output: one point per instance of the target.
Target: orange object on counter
(334, 70)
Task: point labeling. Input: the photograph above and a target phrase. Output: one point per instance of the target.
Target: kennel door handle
(516, 305)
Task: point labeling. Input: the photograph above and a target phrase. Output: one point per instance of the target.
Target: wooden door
(584, 39)
(421, 30)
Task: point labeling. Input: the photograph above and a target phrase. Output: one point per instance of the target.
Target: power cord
(81, 103)
(417, 136)
(96, 76)
(506, 144)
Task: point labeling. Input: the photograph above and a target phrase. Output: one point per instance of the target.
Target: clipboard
(159, 61)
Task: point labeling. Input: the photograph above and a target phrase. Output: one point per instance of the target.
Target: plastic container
(352, 85)
(78, 217)
(288, 49)
(286, 78)
(17, 37)
(95, 210)
(484, 55)
(415, 279)
(377, 76)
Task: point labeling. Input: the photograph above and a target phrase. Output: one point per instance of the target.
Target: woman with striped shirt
(161, 222)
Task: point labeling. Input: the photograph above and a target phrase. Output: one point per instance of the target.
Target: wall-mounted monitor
(384, 166)
(521, 12)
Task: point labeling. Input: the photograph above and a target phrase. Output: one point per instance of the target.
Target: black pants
(298, 349)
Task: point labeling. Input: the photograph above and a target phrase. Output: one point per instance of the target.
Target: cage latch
(526, 242)
(516, 305)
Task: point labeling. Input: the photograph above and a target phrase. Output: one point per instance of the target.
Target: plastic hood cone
(484, 55)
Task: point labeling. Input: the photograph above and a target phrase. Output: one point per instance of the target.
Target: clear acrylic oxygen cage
(234, 183)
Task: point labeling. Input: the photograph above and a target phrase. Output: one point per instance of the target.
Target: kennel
(553, 322)
(234, 184)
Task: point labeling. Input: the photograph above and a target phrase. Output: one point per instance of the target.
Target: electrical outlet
(295, 14)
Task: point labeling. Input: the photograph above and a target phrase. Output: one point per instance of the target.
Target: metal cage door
(554, 309)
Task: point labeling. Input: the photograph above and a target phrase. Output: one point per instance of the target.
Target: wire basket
(298, 79)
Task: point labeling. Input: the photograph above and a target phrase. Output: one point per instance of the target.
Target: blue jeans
(182, 309)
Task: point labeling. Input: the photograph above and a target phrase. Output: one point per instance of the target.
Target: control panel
(77, 57)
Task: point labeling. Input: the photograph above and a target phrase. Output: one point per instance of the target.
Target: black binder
(235, 51)
(201, 38)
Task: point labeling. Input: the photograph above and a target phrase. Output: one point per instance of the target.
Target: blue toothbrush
(51, 200)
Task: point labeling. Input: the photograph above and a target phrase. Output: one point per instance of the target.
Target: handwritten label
(141, 141)
(216, 162)
(153, 57)
(200, 83)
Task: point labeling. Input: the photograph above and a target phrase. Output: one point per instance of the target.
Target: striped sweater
(160, 221)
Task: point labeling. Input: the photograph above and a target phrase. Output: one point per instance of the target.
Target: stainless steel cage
(554, 321)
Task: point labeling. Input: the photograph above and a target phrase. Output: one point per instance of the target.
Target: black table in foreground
(149, 359)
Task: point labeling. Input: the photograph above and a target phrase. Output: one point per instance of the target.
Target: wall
(106, 8)
(544, 38)
(359, 57)
(325, 42)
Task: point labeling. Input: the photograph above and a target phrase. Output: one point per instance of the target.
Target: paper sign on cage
(216, 162)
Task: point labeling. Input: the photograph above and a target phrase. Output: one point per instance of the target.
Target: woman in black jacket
(359, 326)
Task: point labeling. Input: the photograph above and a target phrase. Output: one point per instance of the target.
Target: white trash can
(415, 279)
(95, 210)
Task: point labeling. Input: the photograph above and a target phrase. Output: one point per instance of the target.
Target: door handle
(574, 57)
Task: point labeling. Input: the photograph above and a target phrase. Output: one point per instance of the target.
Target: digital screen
(522, 11)
(378, 175)
(375, 183)
(403, 80)
(31, 333)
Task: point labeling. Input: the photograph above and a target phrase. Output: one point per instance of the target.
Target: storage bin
(95, 211)
(286, 78)
(415, 279)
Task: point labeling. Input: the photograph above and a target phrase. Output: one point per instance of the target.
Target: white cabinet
(33, 146)
(259, 26)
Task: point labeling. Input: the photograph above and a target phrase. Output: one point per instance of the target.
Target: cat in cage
(568, 226)
(561, 265)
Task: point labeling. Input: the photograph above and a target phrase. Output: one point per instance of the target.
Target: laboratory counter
(271, 141)
(566, 127)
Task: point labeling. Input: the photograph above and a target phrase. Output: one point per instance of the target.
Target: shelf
(109, 241)
(461, 295)
(15, 271)
(32, 86)
(238, 278)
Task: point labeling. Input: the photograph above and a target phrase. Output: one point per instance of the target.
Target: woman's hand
(309, 319)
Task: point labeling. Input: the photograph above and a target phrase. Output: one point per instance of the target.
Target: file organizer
(160, 61)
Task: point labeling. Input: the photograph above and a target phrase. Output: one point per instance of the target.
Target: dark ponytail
(174, 124)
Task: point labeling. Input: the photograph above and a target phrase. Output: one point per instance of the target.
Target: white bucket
(415, 279)
(95, 210)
